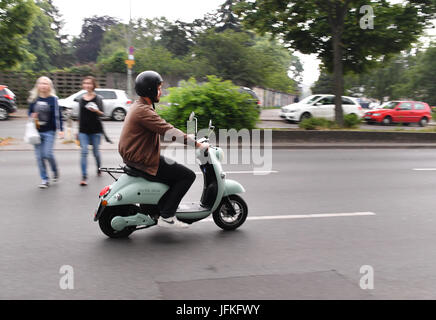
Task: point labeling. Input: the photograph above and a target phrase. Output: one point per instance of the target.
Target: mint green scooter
(131, 202)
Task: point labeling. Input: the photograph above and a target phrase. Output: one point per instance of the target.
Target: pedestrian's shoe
(171, 222)
(56, 177)
(83, 183)
(44, 184)
(98, 173)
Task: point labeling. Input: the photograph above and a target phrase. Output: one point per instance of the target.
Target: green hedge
(215, 99)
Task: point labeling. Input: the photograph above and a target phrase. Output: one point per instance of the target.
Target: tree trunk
(338, 77)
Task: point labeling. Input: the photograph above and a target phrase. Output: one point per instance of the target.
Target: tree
(338, 33)
(417, 81)
(16, 17)
(226, 17)
(175, 37)
(243, 59)
(89, 41)
(43, 42)
(161, 60)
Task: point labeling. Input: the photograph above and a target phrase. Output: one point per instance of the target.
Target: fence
(271, 98)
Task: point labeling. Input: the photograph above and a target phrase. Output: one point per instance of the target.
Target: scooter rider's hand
(203, 146)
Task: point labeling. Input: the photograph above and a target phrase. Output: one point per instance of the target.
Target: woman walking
(90, 127)
(45, 110)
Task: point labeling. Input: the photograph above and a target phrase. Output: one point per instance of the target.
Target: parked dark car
(8, 103)
(254, 99)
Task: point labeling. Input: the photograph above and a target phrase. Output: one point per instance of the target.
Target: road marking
(305, 216)
(255, 171)
(424, 169)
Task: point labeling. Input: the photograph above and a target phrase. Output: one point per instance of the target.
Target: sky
(73, 13)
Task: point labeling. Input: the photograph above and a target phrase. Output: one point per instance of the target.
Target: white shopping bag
(31, 135)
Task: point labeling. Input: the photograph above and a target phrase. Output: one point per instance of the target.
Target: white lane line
(305, 216)
(255, 171)
(424, 169)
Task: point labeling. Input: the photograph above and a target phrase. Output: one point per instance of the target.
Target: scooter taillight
(105, 191)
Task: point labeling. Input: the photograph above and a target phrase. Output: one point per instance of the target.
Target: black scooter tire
(225, 225)
(106, 218)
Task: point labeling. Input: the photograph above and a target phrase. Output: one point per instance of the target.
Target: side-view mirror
(191, 116)
(318, 104)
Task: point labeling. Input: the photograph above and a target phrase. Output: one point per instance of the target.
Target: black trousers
(179, 178)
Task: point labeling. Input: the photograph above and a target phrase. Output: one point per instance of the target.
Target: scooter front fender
(232, 187)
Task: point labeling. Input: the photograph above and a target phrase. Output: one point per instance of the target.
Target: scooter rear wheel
(106, 218)
(223, 216)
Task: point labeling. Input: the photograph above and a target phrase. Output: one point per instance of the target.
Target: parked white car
(319, 106)
(115, 103)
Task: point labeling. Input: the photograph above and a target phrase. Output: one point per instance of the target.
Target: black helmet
(146, 84)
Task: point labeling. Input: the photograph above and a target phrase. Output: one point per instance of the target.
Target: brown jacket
(139, 144)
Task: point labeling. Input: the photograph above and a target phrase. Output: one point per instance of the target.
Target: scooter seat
(133, 172)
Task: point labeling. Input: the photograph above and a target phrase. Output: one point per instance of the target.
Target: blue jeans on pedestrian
(85, 140)
(44, 151)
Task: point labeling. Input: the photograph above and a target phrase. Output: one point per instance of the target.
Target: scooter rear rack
(120, 169)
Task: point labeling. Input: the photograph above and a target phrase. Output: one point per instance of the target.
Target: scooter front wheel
(224, 217)
(106, 218)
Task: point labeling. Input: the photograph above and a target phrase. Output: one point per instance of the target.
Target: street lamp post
(131, 59)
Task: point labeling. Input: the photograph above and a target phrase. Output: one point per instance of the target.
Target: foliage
(239, 57)
(43, 42)
(418, 80)
(316, 124)
(114, 63)
(215, 99)
(405, 76)
(332, 30)
(89, 41)
(16, 19)
(351, 121)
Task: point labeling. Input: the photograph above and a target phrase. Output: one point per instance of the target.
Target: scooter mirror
(191, 116)
(210, 123)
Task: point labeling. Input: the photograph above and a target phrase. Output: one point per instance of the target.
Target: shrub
(351, 121)
(316, 124)
(215, 99)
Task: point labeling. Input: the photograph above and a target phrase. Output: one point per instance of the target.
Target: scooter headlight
(219, 154)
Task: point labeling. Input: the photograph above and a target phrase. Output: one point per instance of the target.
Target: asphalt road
(300, 257)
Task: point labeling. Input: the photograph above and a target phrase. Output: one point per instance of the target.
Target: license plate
(367, 117)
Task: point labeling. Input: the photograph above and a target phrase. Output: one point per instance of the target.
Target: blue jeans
(85, 140)
(44, 151)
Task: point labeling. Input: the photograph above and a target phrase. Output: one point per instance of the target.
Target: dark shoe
(83, 183)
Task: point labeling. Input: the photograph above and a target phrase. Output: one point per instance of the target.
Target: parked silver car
(115, 103)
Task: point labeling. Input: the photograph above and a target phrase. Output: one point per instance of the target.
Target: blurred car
(254, 98)
(319, 106)
(400, 112)
(115, 103)
(8, 102)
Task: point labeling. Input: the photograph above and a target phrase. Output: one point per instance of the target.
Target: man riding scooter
(139, 146)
